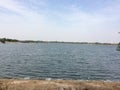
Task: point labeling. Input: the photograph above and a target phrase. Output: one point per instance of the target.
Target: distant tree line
(4, 40)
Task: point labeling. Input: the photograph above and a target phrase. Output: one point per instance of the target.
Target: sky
(61, 20)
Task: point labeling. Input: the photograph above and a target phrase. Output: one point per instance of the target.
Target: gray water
(59, 61)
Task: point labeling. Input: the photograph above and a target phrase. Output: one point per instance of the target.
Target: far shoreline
(6, 40)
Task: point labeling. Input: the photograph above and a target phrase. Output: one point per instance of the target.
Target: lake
(59, 61)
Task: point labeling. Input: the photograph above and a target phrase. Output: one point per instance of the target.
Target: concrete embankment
(13, 84)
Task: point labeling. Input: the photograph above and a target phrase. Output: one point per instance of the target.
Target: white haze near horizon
(61, 20)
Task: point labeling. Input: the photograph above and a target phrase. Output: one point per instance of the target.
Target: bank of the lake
(12, 84)
(8, 40)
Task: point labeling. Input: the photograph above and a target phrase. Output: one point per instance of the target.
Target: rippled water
(59, 61)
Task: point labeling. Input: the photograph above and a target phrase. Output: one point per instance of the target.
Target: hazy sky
(61, 20)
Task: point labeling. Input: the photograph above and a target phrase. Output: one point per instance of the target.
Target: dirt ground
(12, 84)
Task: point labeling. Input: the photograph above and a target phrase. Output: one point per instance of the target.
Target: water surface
(59, 61)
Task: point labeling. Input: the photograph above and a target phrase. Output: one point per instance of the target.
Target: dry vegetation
(57, 85)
